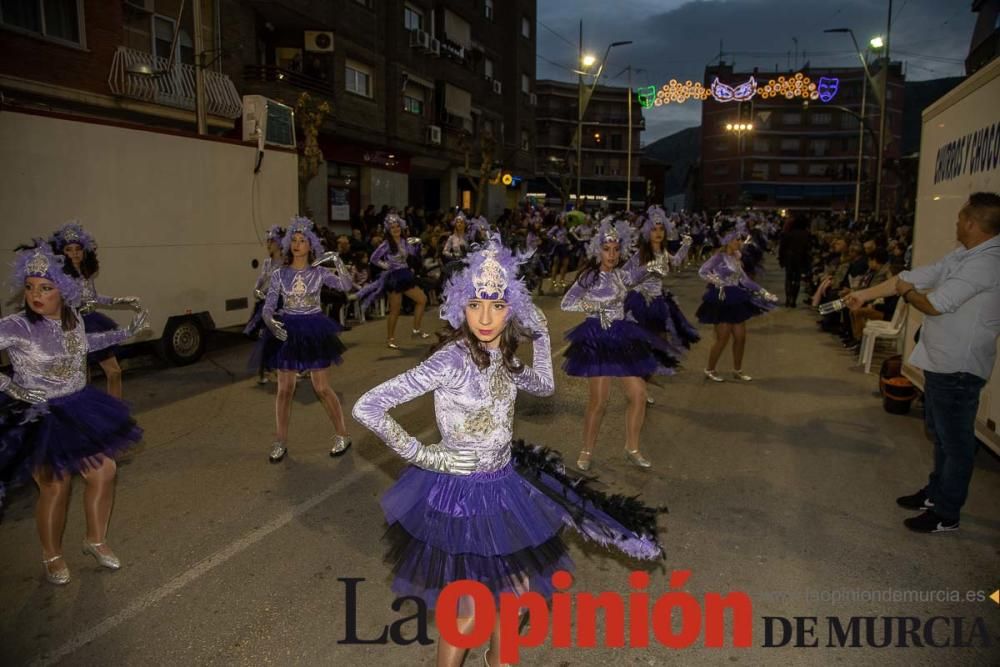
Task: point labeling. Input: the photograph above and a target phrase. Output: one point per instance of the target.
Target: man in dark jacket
(793, 256)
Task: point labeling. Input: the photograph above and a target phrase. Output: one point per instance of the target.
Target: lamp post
(583, 99)
(876, 43)
(738, 129)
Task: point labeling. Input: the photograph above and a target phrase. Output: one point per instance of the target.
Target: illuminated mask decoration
(647, 96)
(828, 87)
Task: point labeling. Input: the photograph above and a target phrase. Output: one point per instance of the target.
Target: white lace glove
(19, 393)
(276, 327)
(594, 308)
(130, 301)
(660, 266)
(139, 324)
(438, 459)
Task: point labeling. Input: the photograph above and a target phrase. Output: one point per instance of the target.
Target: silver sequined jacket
(301, 289)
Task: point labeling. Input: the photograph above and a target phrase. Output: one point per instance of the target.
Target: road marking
(207, 565)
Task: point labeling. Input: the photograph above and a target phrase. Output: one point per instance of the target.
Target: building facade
(604, 173)
(423, 94)
(801, 150)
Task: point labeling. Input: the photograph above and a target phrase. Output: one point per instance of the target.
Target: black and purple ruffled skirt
(624, 350)
(312, 344)
(95, 322)
(502, 528)
(736, 306)
(662, 316)
(67, 434)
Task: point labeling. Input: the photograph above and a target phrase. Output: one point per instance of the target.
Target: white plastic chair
(875, 329)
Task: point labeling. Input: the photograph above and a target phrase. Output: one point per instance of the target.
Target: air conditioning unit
(435, 46)
(497, 87)
(420, 40)
(533, 99)
(433, 134)
(319, 41)
(268, 122)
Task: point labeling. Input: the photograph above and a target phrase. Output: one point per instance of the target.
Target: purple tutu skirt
(738, 306)
(662, 316)
(399, 280)
(95, 322)
(312, 344)
(255, 326)
(68, 434)
(624, 350)
(501, 528)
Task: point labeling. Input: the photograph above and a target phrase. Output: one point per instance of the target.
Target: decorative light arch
(798, 85)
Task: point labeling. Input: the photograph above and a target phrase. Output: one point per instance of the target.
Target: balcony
(287, 77)
(175, 88)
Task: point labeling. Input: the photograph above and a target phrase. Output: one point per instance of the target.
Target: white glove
(17, 392)
(276, 327)
(260, 294)
(138, 324)
(767, 296)
(130, 301)
(659, 266)
(413, 240)
(451, 461)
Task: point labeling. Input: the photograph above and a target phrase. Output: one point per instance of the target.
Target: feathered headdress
(72, 232)
(40, 262)
(304, 226)
(394, 218)
(736, 230)
(274, 233)
(610, 229)
(490, 273)
(477, 225)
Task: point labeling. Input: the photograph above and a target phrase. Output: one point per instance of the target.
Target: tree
(310, 115)
(487, 150)
(558, 173)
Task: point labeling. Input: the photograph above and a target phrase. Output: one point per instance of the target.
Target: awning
(457, 101)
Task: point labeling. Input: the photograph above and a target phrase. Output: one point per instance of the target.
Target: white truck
(959, 155)
(179, 219)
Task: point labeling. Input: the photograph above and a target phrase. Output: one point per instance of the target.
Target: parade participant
(581, 235)
(456, 247)
(274, 259)
(610, 343)
(52, 424)
(731, 298)
(559, 237)
(397, 279)
(80, 250)
(303, 339)
(472, 506)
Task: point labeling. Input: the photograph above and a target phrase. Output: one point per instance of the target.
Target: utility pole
(579, 122)
(628, 170)
(882, 119)
(861, 146)
(199, 69)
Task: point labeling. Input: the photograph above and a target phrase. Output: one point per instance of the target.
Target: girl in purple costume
(304, 339)
(610, 343)
(52, 424)
(396, 279)
(731, 298)
(651, 304)
(81, 250)
(559, 236)
(255, 327)
(472, 506)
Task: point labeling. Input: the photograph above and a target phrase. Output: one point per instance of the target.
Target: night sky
(675, 39)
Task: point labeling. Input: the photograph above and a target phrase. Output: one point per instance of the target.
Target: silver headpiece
(38, 265)
(491, 281)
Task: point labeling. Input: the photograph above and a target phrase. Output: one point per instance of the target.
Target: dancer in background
(52, 424)
(559, 237)
(456, 247)
(301, 337)
(610, 343)
(274, 259)
(731, 298)
(397, 279)
(471, 506)
(80, 250)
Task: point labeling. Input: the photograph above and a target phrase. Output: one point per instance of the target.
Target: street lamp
(583, 99)
(875, 42)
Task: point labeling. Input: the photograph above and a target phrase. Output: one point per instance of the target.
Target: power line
(554, 63)
(557, 34)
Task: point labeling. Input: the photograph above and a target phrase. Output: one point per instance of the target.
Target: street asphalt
(782, 488)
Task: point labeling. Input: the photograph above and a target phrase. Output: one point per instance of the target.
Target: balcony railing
(272, 74)
(174, 88)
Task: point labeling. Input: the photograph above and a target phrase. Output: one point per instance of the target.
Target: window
(58, 19)
(599, 168)
(614, 167)
(822, 118)
(761, 145)
(817, 169)
(791, 118)
(525, 27)
(616, 142)
(488, 9)
(488, 68)
(820, 147)
(721, 170)
(788, 169)
(525, 140)
(790, 144)
(358, 79)
(489, 127)
(525, 84)
(413, 100)
(760, 171)
(163, 37)
(721, 146)
(413, 18)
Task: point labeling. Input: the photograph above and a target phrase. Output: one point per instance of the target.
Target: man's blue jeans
(950, 404)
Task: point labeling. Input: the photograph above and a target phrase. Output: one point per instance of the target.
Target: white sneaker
(740, 375)
(713, 376)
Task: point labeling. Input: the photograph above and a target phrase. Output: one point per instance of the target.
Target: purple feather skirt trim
(501, 529)
(662, 316)
(312, 344)
(738, 306)
(95, 322)
(68, 434)
(624, 350)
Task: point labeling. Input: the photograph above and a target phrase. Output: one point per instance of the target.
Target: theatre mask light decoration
(797, 86)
